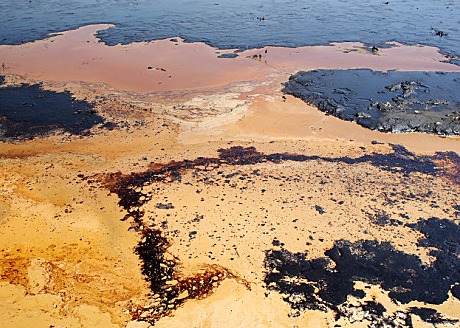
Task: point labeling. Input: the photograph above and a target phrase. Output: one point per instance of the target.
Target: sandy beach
(213, 199)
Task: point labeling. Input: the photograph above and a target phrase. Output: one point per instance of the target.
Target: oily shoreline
(77, 62)
(208, 236)
(28, 111)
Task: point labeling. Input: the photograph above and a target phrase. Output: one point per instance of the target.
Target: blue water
(239, 23)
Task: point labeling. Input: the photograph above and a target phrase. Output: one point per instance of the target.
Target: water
(240, 23)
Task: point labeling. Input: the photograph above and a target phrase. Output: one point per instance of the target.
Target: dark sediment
(28, 111)
(389, 102)
(325, 283)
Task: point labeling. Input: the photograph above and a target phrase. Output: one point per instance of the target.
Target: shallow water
(239, 23)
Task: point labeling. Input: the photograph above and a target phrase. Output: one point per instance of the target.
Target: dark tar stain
(169, 288)
(326, 282)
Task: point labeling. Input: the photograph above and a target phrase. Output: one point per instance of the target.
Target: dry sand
(68, 259)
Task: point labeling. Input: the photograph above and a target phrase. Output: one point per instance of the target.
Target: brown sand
(67, 259)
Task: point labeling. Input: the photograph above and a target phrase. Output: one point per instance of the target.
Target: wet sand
(68, 258)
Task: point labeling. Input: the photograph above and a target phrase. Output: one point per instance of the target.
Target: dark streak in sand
(169, 288)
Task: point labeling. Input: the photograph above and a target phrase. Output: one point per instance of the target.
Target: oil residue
(389, 102)
(169, 289)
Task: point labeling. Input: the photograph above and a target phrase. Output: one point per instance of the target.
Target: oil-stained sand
(177, 212)
(225, 186)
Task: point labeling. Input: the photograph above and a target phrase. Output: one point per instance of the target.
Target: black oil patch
(439, 233)
(390, 102)
(377, 316)
(375, 313)
(431, 316)
(331, 278)
(327, 282)
(456, 291)
(28, 111)
(229, 56)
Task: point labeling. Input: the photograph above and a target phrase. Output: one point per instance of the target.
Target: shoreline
(230, 172)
